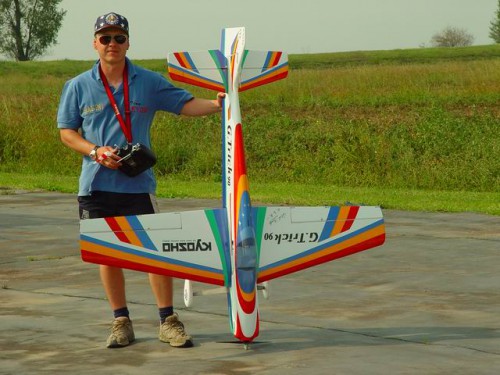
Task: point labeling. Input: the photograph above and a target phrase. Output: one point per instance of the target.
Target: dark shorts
(106, 204)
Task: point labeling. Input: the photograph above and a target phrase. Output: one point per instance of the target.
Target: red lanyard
(127, 124)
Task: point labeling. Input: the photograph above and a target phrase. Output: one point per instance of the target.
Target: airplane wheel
(265, 289)
(188, 293)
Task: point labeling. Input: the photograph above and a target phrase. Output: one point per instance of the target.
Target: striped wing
(208, 69)
(262, 67)
(187, 244)
(294, 238)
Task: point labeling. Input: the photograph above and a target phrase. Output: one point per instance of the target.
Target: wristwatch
(93, 153)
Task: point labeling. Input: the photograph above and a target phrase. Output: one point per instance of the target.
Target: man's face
(108, 46)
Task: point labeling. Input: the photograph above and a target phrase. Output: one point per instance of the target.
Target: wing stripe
(351, 215)
(179, 74)
(272, 59)
(143, 240)
(129, 230)
(106, 249)
(219, 229)
(221, 64)
(271, 75)
(185, 61)
(313, 256)
(117, 230)
(328, 228)
(354, 248)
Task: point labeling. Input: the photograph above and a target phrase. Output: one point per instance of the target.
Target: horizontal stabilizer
(209, 69)
(186, 245)
(205, 69)
(291, 239)
(262, 67)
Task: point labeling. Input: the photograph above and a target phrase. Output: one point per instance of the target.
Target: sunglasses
(106, 39)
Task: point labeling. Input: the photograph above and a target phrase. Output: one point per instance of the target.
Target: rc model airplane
(237, 247)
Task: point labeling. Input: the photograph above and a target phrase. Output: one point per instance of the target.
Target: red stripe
(247, 306)
(180, 59)
(276, 59)
(91, 257)
(264, 81)
(368, 244)
(239, 154)
(113, 224)
(182, 78)
(239, 333)
(353, 211)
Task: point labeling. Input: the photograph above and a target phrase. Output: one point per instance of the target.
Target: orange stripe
(248, 297)
(128, 231)
(103, 250)
(181, 58)
(271, 77)
(178, 75)
(330, 250)
(339, 223)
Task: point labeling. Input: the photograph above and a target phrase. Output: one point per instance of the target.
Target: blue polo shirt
(84, 106)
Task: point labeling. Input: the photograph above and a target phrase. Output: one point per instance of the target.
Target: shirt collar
(132, 71)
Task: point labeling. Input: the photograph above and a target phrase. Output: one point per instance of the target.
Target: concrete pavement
(427, 302)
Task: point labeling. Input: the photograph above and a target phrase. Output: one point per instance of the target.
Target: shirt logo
(92, 109)
(138, 107)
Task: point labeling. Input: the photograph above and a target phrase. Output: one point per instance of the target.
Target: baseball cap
(111, 20)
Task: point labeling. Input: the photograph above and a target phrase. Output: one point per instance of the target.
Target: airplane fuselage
(242, 291)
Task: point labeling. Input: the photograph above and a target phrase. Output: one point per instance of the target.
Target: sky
(158, 27)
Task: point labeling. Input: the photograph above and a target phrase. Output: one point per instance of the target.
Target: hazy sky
(158, 27)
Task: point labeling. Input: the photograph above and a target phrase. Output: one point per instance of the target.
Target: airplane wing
(262, 67)
(290, 239)
(205, 69)
(189, 245)
(208, 69)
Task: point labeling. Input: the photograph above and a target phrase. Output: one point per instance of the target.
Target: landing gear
(188, 293)
(264, 288)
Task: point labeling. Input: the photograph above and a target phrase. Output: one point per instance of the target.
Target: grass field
(411, 122)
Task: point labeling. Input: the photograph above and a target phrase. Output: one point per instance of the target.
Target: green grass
(281, 193)
(378, 127)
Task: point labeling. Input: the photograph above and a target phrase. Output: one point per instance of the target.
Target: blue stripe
(221, 64)
(325, 245)
(195, 75)
(146, 255)
(267, 73)
(141, 233)
(266, 63)
(191, 62)
(333, 214)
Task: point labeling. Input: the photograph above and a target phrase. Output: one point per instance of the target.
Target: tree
(452, 37)
(28, 27)
(495, 26)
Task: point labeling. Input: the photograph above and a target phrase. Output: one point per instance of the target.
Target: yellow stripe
(103, 250)
(328, 251)
(265, 77)
(248, 297)
(128, 231)
(340, 221)
(185, 61)
(273, 56)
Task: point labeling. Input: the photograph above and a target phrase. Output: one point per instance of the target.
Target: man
(95, 120)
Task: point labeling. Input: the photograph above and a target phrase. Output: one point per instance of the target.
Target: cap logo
(112, 19)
